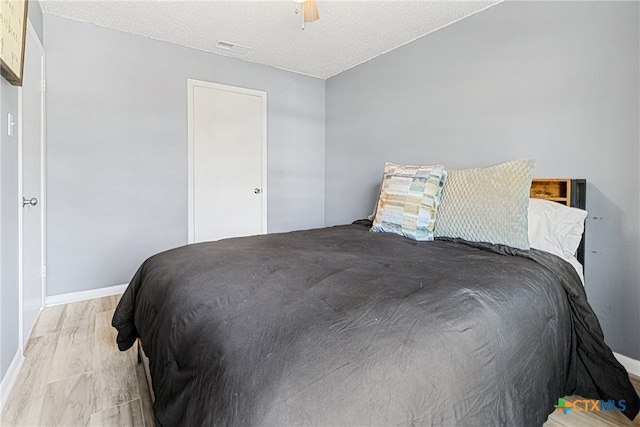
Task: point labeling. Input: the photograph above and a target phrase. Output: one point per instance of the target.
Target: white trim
(43, 169)
(265, 187)
(10, 378)
(85, 295)
(191, 84)
(22, 339)
(631, 365)
(190, 180)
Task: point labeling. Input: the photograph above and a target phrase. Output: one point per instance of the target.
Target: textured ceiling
(347, 34)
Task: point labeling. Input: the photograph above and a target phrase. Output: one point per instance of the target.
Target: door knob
(257, 190)
(33, 201)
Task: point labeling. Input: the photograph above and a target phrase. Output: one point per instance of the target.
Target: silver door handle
(33, 201)
(257, 190)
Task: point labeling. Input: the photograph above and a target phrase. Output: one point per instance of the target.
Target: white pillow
(556, 228)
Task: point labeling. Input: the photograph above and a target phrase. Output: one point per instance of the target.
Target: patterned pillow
(487, 205)
(409, 200)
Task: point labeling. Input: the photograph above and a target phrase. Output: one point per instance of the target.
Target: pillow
(409, 198)
(487, 205)
(555, 228)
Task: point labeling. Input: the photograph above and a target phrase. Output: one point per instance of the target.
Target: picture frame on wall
(13, 31)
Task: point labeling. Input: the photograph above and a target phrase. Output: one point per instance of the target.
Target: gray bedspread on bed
(341, 326)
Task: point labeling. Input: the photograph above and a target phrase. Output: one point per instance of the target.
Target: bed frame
(570, 192)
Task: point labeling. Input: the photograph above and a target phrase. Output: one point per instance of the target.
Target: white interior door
(32, 215)
(227, 161)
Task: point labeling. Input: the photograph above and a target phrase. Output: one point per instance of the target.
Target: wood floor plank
(105, 338)
(25, 401)
(49, 321)
(114, 382)
(106, 303)
(555, 421)
(78, 310)
(74, 352)
(67, 402)
(128, 414)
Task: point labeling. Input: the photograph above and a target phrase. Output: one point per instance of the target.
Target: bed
(342, 326)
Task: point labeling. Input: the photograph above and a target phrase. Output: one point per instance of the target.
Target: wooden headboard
(570, 192)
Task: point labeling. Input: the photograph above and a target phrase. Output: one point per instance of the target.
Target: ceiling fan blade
(310, 10)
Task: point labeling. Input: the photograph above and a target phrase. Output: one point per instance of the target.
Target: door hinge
(43, 86)
(44, 271)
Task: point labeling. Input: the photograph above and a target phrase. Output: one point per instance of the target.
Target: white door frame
(191, 84)
(41, 197)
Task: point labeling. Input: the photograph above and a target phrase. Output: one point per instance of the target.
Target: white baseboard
(84, 295)
(631, 365)
(10, 377)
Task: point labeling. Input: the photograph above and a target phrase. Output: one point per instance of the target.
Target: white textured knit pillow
(487, 205)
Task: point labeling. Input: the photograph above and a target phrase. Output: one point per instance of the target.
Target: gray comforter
(341, 326)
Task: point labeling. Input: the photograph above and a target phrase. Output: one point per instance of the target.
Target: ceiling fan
(308, 11)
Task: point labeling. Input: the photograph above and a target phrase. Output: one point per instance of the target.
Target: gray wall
(117, 148)
(9, 292)
(556, 81)
(36, 17)
(8, 227)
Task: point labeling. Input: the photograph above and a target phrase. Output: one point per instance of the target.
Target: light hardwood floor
(74, 375)
(595, 418)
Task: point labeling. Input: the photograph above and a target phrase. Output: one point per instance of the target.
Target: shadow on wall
(606, 219)
(375, 195)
